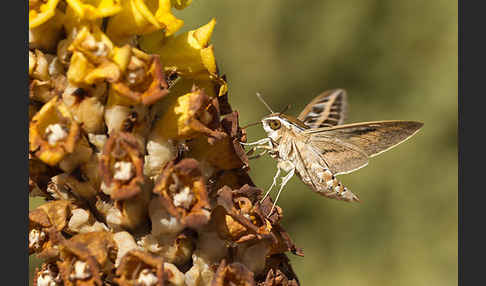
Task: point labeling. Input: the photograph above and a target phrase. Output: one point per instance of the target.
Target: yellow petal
(92, 59)
(46, 35)
(95, 9)
(73, 22)
(165, 17)
(152, 41)
(181, 120)
(39, 14)
(78, 68)
(140, 17)
(220, 154)
(174, 123)
(121, 56)
(106, 71)
(82, 71)
(93, 43)
(211, 85)
(208, 60)
(188, 53)
(203, 34)
(115, 98)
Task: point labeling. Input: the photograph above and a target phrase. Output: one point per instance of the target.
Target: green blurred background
(397, 60)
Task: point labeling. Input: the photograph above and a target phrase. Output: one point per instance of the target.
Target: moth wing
(372, 138)
(314, 170)
(325, 110)
(340, 156)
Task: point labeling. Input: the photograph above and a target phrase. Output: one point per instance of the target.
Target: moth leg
(285, 180)
(272, 185)
(258, 155)
(259, 142)
(254, 148)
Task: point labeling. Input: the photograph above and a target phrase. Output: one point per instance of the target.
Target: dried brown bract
(224, 106)
(81, 154)
(47, 77)
(284, 242)
(176, 249)
(54, 214)
(225, 151)
(41, 225)
(142, 268)
(240, 222)
(143, 80)
(121, 165)
(279, 272)
(233, 274)
(88, 111)
(126, 214)
(56, 219)
(67, 187)
(182, 191)
(39, 176)
(234, 178)
(87, 258)
(48, 274)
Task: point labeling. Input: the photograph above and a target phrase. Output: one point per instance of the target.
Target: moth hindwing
(317, 146)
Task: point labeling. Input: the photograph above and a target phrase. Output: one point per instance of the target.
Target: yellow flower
(53, 133)
(73, 22)
(186, 117)
(46, 35)
(95, 9)
(92, 57)
(139, 17)
(212, 85)
(143, 80)
(40, 12)
(82, 71)
(188, 54)
(93, 43)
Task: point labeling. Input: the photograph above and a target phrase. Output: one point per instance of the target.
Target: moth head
(273, 126)
(276, 124)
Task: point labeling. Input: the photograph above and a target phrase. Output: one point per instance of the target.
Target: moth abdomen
(322, 181)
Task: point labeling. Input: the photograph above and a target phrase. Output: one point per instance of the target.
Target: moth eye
(274, 124)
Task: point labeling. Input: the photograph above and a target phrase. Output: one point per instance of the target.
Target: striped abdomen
(314, 172)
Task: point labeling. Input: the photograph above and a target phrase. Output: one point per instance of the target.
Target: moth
(317, 146)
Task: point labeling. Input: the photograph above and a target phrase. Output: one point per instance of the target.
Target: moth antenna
(285, 108)
(266, 104)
